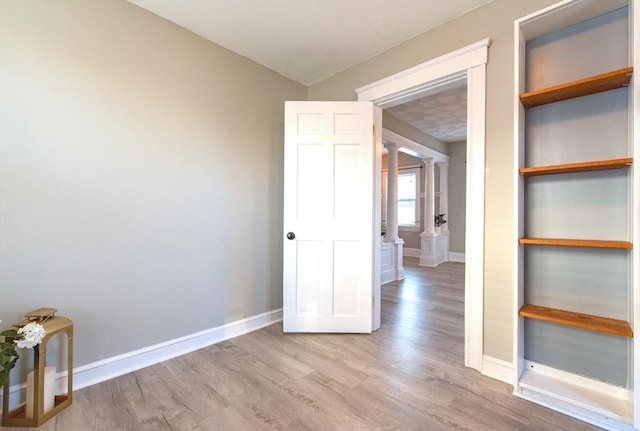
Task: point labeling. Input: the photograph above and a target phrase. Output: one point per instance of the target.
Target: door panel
(329, 205)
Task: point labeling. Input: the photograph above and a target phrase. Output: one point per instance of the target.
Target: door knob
(291, 235)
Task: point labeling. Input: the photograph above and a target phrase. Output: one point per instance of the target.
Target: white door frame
(451, 70)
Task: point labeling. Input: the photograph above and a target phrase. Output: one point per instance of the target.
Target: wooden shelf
(582, 87)
(578, 320)
(576, 242)
(596, 165)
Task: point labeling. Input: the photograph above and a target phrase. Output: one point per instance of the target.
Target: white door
(331, 216)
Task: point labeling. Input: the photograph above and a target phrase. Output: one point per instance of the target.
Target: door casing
(434, 76)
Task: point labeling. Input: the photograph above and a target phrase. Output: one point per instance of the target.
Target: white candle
(48, 390)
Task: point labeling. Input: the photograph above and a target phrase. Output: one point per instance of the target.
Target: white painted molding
(578, 380)
(105, 369)
(456, 257)
(467, 64)
(635, 219)
(411, 252)
(413, 148)
(431, 76)
(391, 266)
(497, 369)
(453, 256)
(564, 14)
(601, 404)
(474, 226)
(434, 249)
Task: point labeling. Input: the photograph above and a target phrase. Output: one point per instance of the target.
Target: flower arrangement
(25, 336)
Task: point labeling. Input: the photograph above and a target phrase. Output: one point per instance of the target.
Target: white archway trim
(430, 77)
(413, 148)
(433, 76)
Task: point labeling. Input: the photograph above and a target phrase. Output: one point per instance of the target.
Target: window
(408, 197)
(408, 214)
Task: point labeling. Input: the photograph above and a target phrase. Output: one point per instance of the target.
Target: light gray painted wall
(410, 132)
(457, 195)
(140, 175)
(494, 21)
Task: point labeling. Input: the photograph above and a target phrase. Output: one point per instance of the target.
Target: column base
(434, 249)
(391, 265)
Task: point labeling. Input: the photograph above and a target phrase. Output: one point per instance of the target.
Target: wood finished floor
(409, 375)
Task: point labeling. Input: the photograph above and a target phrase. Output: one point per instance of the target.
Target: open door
(331, 217)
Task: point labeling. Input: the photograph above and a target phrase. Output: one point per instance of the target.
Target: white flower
(32, 335)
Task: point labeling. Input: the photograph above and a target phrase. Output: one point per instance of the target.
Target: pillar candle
(48, 391)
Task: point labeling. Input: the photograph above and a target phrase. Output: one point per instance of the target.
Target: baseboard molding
(497, 369)
(456, 257)
(596, 402)
(410, 252)
(99, 371)
(415, 252)
(387, 276)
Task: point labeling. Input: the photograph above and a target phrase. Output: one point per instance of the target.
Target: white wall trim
(497, 369)
(602, 404)
(425, 78)
(474, 224)
(413, 148)
(578, 380)
(411, 252)
(456, 257)
(105, 369)
(450, 70)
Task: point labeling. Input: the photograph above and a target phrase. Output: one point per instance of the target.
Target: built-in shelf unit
(577, 294)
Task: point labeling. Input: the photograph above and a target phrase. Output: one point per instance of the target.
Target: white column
(429, 197)
(444, 194)
(392, 192)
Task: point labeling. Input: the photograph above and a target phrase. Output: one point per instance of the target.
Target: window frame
(417, 171)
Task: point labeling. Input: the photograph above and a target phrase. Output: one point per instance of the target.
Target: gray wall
(457, 195)
(494, 21)
(133, 196)
(408, 131)
(140, 175)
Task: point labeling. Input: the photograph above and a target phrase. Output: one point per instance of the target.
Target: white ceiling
(311, 40)
(442, 115)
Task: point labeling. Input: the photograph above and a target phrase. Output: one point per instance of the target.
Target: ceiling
(311, 40)
(442, 115)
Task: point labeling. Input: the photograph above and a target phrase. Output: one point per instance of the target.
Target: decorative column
(391, 266)
(433, 246)
(444, 194)
(429, 197)
(392, 192)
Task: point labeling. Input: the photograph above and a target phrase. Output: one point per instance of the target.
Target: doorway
(450, 70)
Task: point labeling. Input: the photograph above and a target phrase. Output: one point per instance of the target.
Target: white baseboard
(453, 256)
(602, 404)
(497, 369)
(105, 369)
(411, 252)
(387, 276)
(456, 257)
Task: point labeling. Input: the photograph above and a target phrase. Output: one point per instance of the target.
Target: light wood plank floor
(409, 375)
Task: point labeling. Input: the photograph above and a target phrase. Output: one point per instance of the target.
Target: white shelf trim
(587, 399)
